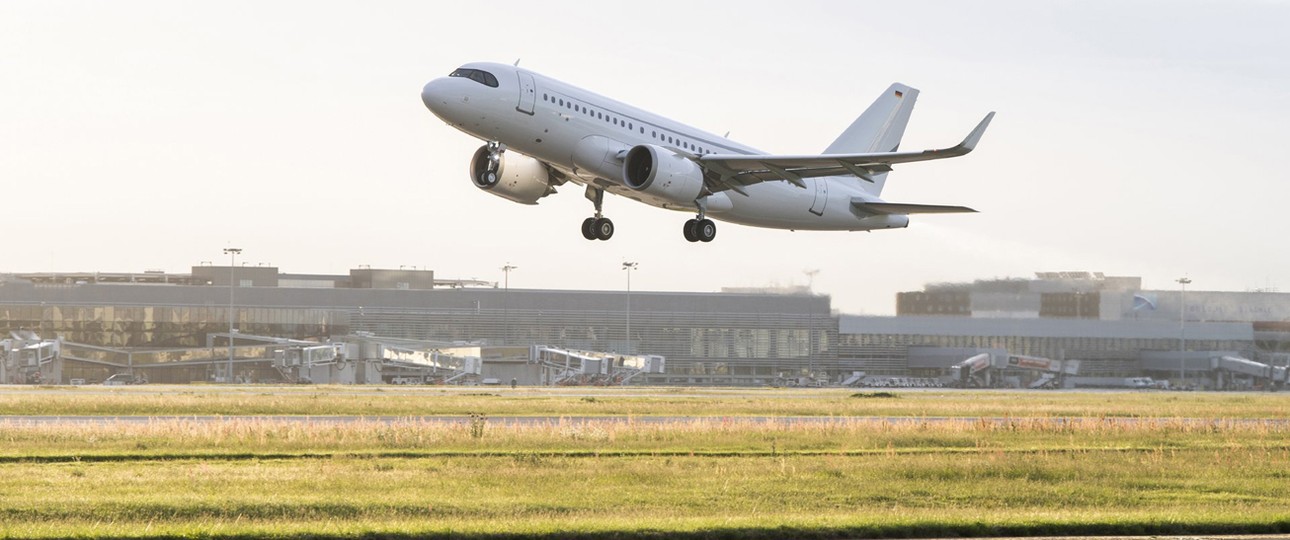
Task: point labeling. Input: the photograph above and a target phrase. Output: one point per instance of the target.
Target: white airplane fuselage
(585, 136)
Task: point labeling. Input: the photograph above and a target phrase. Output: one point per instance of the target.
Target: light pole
(507, 270)
(1182, 329)
(232, 267)
(506, 302)
(629, 266)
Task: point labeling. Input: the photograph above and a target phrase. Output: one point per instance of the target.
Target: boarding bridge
(566, 367)
(324, 363)
(364, 359)
(977, 370)
(437, 365)
(27, 359)
(971, 372)
(369, 359)
(1052, 371)
(416, 361)
(854, 379)
(175, 365)
(1235, 373)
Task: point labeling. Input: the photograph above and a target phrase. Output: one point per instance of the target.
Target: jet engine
(509, 175)
(661, 173)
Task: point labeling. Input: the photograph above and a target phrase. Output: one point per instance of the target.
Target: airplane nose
(434, 94)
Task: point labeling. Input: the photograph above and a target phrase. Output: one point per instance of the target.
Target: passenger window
(561, 102)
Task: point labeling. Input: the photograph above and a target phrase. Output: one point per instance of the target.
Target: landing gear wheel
(603, 228)
(705, 230)
(688, 230)
(589, 228)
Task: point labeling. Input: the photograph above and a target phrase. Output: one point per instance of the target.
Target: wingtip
(974, 137)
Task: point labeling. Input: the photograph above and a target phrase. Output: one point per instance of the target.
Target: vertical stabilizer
(878, 129)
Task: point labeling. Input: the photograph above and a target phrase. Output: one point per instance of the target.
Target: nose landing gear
(488, 177)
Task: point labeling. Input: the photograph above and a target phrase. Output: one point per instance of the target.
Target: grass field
(584, 401)
(1034, 472)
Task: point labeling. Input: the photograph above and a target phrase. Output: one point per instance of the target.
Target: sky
(1139, 138)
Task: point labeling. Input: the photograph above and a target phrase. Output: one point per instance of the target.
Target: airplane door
(821, 196)
(528, 93)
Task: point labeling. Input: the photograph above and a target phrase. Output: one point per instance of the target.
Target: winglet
(969, 143)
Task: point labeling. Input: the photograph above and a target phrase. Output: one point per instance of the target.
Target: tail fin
(878, 129)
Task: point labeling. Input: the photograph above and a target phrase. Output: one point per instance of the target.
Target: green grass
(419, 401)
(1050, 464)
(247, 438)
(1185, 491)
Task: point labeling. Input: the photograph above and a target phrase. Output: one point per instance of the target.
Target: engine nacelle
(514, 177)
(661, 173)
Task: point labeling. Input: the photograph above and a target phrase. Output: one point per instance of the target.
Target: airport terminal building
(1111, 326)
(707, 338)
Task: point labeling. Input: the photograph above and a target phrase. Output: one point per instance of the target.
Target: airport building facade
(730, 338)
(707, 338)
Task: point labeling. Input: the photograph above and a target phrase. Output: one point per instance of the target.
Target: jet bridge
(316, 362)
(1052, 371)
(25, 358)
(982, 370)
(1236, 373)
(567, 367)
(971, 372)
(365, 358)
(178, 364)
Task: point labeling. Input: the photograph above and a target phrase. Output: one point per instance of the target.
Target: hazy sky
(1132, 138)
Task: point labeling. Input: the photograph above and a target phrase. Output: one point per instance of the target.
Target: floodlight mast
(629, 266)
(232, 267)
(1182, 330)
(506, 301)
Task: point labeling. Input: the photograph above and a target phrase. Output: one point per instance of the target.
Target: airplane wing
(867, 208)
(734, 171)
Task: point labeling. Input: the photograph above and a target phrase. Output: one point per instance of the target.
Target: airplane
(540, 133)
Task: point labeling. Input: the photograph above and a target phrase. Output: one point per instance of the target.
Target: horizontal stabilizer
(878, 208)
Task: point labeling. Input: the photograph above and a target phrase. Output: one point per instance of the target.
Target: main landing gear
(700, 230)
(597, 227)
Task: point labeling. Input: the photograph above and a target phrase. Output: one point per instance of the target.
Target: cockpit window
(478, 75)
